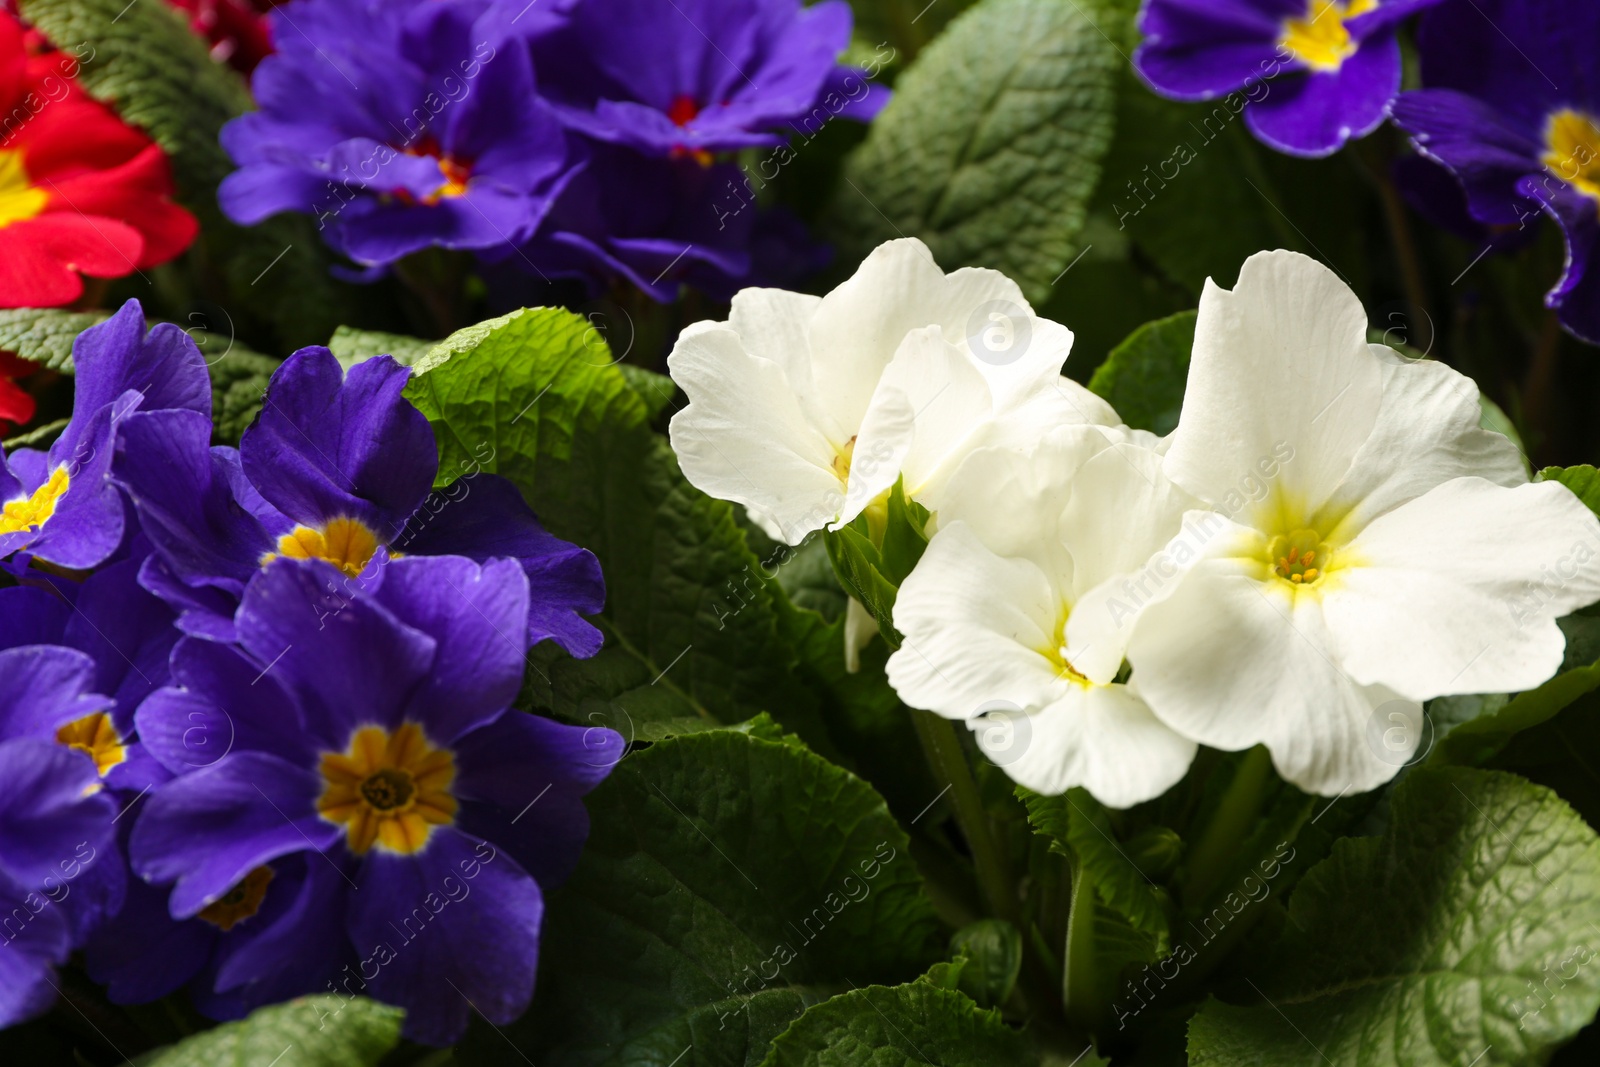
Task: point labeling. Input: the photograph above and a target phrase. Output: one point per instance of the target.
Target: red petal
(40, 257)
(136, 193)
(74, 136)
(16, 406)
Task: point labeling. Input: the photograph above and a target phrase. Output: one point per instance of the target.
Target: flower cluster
(256, 725)
(1325, 541)
(584, 138)
(81, 192)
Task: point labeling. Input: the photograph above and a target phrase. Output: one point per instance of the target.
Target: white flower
(1367, 547)
(806, 409)
(1023, 536)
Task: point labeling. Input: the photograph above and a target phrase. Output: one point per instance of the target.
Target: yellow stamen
(239, 903)
(346, 543)
(96, 737)
(1302, 556)
(1320, 40)
(32, 512)
(1573, 140)
(20, 199)
(388, 789)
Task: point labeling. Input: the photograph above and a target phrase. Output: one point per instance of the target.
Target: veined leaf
(326, 1031)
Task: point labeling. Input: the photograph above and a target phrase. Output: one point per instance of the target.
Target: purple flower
(1315, 73)
(339, 469)
(127, 635)
(1512, 108)
(58, 874)
(698, 77)
(59, 506)
(400, 124)
(371, 736)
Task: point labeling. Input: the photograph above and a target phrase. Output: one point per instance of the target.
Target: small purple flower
(426, 128)
(337, 468)
(58, 872)
(1315, 73)
(127, 635)
(371, 736)
(1511, 106)
(59, 506)
(699, 77)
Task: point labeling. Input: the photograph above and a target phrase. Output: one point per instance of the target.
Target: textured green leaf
(324, 1031)
(350, 346)
(729, 883)
(1144, 376)
(40, 437)
(656, 390)
(239, 380)
(45, 335)
(158, 76)
(991, 147)
(904, 1026)
(691, 627)
(1466, 934)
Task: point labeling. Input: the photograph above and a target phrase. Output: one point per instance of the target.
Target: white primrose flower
(1022, 536)
(1367, 546)
(807, 409)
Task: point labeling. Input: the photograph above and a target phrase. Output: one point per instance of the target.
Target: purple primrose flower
(1315, 73)
(1511, 106)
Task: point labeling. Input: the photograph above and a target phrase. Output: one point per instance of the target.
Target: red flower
(81, 192)
(16, 406)
(238, 34)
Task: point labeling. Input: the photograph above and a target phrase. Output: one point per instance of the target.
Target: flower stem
(1082, 986)
(948, 760)
(1240, 805)
(1376, 163)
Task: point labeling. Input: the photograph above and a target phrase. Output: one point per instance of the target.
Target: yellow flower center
(1300, 558)
(1320, 40)
(19, 198)
(842, 458)
(1573, 140)
(388, 789)
(32, 512)
(97, 738)
(1056, 651)
(346, 543)
(240, 902)
(456, 177)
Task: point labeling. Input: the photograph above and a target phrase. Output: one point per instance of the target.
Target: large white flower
(806, 409)
(1023, 535)
(1368, 546)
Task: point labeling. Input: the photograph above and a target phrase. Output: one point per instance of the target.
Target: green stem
(942, 745)
(1219, 844)
(1376, 163)
(1081, 987)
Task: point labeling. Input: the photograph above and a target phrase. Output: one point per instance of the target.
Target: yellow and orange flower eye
(239, 903)
(389, 789)
(95, 736)
(346, 543)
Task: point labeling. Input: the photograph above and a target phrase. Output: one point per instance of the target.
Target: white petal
(928, 403)
(775, 324)
(1119, 527)
(859, 630)
(898, 288)
(1280, 365)
(1427, 432)
(1457, 591)
(743, 436)
(1104, 739)
(974, 627)
(1233, 661)
(1013, 497)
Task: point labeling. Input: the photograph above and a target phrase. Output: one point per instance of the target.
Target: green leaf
(40, 437)
(239, 379)
(1478, 740)
(143, 60)
(351, 346)
(1463, 935)
(1584, 481)
(656, 390)
(45, 335)
(991, 147)
(326, 1031)
(690, 620)
(905, 25)
(860, 568)
(729, 883)
(1144, 376)
(904, 1026)
(993, 951)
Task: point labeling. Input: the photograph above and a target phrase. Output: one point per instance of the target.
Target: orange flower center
(239, 903)
(388, 790)
(97, 738)
(346, 543)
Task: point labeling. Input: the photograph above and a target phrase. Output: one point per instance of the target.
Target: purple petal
(205, 831)
(1480, 144)
(1315, 114)
(45, 687)
(46, 811)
